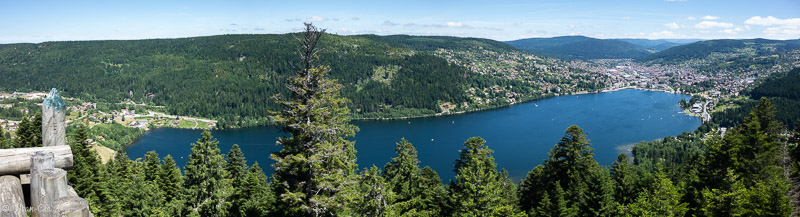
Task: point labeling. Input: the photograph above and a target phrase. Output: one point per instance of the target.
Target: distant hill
(432, 43)
(580, 47)
(658, 44)
(722, 47)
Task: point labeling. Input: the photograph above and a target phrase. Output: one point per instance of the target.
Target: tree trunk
(18, 160)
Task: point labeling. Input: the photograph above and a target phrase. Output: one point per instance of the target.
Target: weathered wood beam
(12, 202)
(18, 160)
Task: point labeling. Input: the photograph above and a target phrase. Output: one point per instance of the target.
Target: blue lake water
(520, 135)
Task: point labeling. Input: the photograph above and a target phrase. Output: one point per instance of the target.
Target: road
(159, 114)
(706, 116)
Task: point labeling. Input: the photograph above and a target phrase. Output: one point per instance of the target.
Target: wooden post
(39, 161)
(19, 160)
(53, 184)
(72, 207)
(12, 202)
(53, 122)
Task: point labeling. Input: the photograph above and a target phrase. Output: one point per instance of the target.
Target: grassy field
(105, 153)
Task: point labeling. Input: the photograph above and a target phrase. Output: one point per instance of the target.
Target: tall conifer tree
(205, 178)
(317, 160)
(236, 167)
(477, 190)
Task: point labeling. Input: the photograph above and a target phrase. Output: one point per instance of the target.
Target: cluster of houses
(9, 125)
(623, 72)
(697, 107)
(24, 95)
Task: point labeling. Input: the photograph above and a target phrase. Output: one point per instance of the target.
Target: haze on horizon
(39, 21)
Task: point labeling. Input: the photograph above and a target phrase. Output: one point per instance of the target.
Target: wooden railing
(50, 195)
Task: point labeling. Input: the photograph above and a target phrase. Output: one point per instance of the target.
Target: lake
(520, 135)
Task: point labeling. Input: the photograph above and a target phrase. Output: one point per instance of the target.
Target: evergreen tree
(4, 141)
(375, 196)
(108, 204)
(36, 130)
(141, 197)
(586, 184)
(236, 167)
(531, 195)
(255, 188)
(476, 191)
(598, 196)
(317, 160)
(729, 200)
(624, 177)
(85, 173)
(433, 200)
(204, 178)
(117, 175)
(754, 144)
(556, 205)
(24, 136)
(663, 200)
(416, 195)
(236, 164)
(152, 166)
(170, 179)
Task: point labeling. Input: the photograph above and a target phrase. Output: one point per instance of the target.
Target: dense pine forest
(749, 170)
(230, 77)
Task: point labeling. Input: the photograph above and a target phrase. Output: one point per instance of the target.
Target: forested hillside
(719, 49)
(433, 43)
(232, 77)
(657, 44)
(580, 47)
(783, 89)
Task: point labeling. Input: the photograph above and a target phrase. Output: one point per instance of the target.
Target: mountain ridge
(580, 47)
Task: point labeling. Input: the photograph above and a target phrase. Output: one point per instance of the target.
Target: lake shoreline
(512, 104)
(437, 114)
(520, 136)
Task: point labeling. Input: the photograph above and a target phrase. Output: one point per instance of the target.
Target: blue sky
(37, 21)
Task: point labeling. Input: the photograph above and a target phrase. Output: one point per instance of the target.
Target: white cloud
(454, 24)
(782, 28)
(672, 25)
(709, 17)
(736, 30)
(390, 23)
(713, 24)
(626, 18)
(691, 18)
(771, 21)
(448, 25)
(316, 19)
